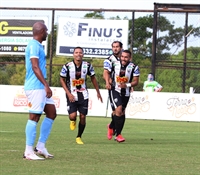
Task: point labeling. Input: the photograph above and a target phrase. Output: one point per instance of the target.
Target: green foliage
(19, 77)
(54, 41)
(193, 53)
(145, 69)
(4, 78)
(171, 80)
(95, 15)
(7, 71)
(192, 80)
(169, 36)
(58, 62)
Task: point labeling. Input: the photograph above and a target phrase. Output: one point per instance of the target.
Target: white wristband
(128, 84)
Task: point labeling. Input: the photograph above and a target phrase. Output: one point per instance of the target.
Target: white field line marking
(6, 131)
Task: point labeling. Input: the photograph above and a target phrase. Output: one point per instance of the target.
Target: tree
(94, 15)
(19, 76)
(169, 36)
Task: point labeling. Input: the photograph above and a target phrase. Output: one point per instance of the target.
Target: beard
(44, 38)
(116, 53)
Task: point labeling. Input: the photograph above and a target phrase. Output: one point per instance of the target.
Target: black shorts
(116, 99)
(80, 106)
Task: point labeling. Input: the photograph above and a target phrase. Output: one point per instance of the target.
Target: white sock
(40, 146)
(29, 149)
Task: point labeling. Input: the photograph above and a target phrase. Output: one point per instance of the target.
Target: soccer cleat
(119, 138)
(32, 156)
(43, 153)
(72, 125)
(79, 141)
(109, 132)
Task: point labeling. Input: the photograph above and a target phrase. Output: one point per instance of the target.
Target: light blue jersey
(34, 49)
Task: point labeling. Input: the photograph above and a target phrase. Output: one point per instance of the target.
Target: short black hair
(151, 73)
(127, 51)
(78, 47)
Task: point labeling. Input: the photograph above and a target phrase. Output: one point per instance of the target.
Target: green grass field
(151, 148)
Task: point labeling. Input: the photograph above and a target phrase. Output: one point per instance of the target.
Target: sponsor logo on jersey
(78, 82)
(121, 79)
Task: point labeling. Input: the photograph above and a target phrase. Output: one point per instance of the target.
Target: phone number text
(97, 51)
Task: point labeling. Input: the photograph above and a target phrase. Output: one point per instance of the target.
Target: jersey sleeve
(91, 71)
(34, 50)
(107, 65)
(136, 71)
(63, 72)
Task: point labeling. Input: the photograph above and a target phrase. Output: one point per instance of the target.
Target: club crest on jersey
(78, 82)
(84, 71)
(121, 79)
(129, 70)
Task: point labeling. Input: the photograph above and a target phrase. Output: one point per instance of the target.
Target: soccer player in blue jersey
(38, 94)
(73, 78)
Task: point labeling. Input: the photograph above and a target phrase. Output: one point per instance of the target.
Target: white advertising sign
(13, 99)
(95, 36)
(164, 106)
(16, 32)
(153, 106)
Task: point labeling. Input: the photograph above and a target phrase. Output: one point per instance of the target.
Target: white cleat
(32, 156)
(43, 153)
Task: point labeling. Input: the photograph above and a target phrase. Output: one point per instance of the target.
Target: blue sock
(45, 129)
(30, 132)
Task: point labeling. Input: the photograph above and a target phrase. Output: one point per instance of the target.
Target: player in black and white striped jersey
(117, 48)
(124, 75)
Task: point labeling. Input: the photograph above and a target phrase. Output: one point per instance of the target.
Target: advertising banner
(13, 99)
(16, 33)
(164, 106)
(95, 36)
(141, 105)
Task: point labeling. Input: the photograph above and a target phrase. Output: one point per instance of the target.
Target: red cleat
(119, 138)
(109, 133)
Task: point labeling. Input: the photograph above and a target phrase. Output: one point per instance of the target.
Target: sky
(106, 4)
(87, 4)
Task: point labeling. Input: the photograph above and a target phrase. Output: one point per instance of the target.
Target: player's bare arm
(94, 82)
(107, 79)
(69, 95)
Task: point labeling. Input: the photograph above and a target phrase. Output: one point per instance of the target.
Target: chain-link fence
(156, 38)
(176, 47)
